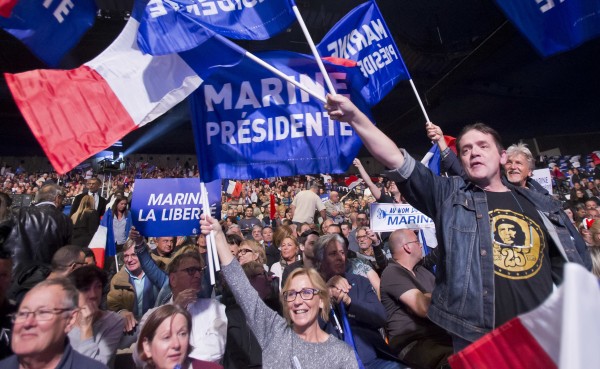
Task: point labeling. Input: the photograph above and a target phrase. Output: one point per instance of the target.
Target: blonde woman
(85, 221)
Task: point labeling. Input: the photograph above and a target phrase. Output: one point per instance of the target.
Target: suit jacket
(101, 203)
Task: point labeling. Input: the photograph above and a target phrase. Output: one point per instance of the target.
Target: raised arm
(367, 179)
(379, 145)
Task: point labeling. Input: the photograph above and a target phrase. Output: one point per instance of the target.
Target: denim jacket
(463, 300)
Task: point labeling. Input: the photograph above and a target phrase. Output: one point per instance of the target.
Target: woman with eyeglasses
(295, 341)
(97, 332)
(251, 250)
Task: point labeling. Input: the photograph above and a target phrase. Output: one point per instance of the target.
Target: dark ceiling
(468, 63)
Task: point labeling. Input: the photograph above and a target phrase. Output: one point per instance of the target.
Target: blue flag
(50, 28)
(251, 124)
(363, 36)
(554, 26)
(176, 25)
(432, 159)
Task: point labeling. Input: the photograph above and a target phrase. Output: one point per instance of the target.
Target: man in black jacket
(38, 232)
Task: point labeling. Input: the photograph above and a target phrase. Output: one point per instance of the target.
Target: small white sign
(389, 217)
(543, 177)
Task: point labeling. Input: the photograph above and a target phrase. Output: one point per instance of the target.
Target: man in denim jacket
(483, 268)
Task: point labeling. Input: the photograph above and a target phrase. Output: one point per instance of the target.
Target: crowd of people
(304, 280)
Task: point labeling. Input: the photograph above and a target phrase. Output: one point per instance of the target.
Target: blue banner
(553, 26)
(171, 26)
(363, 36)
(251, 124)
(172, 207)
(50, 28)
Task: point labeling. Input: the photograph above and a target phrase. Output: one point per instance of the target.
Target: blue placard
(171, 207)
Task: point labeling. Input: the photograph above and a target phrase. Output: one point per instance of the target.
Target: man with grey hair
(519, 164)
(39, 340)
(39, 231)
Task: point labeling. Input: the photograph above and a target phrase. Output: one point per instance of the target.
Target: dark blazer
(101, 204)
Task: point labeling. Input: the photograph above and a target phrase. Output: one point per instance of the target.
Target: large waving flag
(363, 36)
(178, 25)
(77, 113)
(251, 124)
(48, 28)
(562, 333)
(554, 26)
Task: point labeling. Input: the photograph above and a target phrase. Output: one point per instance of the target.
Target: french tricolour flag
(563, 332)
(77, 113)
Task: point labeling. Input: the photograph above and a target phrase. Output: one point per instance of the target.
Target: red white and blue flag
(77, 113)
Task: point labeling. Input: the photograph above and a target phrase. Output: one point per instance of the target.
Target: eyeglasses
(417, 242)
(191, 271)
(40, 315)
(243, 252)
(305, 294)
(78, 264)
(361, 237)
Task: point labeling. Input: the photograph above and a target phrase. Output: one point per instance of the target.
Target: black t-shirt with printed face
(523, 255)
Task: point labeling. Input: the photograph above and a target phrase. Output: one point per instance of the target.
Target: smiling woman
(296, 341)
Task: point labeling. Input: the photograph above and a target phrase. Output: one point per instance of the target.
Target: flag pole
(211, 245)
(280, 74)
(313, 48)
(412, 84)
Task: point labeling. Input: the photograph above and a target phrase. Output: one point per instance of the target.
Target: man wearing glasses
(39, 340)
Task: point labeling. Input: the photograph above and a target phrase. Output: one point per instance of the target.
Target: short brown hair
(483, 128)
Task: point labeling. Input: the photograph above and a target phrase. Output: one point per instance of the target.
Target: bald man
(334, 208)
(406, 295)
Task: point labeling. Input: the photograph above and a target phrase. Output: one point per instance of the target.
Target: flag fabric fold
(48, 28)
(177, 25)
(77, 113)
(363, 36)
(561, 333)
(433, 157)
(554, 26)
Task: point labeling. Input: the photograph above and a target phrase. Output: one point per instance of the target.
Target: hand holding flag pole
(211, 244)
